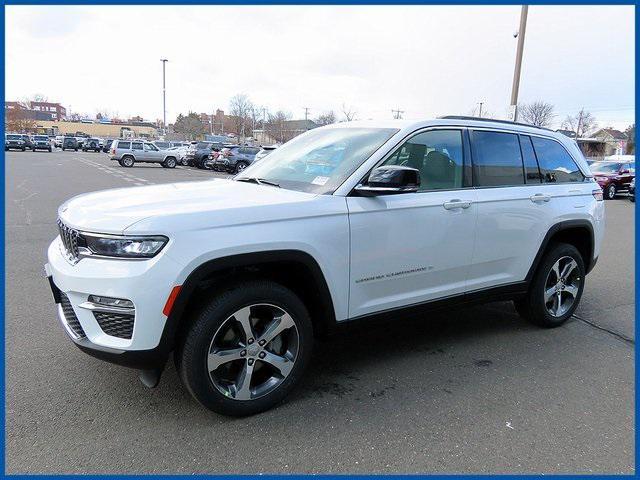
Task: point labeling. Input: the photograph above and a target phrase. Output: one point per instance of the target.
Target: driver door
(151, 153)
(415, 247)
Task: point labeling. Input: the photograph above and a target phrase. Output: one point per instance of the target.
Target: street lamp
(164, 95)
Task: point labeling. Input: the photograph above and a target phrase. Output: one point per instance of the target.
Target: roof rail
(480, 119)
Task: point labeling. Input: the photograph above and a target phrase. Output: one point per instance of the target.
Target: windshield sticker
(320, 180)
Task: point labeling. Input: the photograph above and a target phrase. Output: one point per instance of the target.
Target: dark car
(41, 142)
(92, 144)
(632, 190)
(107, 146)
(70, 143)
(613, 177)
(199, 155)
(14, 141)
(233, 159)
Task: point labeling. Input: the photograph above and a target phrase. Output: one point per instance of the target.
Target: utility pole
(516, 74)
(480, 111)
(164, 95)
(306, 117)
(579, 123)
(397, 113)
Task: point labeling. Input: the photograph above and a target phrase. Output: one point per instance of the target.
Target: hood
(209, 203)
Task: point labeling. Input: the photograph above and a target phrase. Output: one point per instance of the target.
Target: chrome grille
(70, 316)
(69, 238)
(115, 324)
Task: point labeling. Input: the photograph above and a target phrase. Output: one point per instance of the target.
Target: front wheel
(247, 349)
(610, 192)
(169, 163)
(240, 166)
(556, 288)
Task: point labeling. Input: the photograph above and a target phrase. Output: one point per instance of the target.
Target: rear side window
(125, 145)
(531, 170)
(556, 165)
(136, 145)
(496, 159)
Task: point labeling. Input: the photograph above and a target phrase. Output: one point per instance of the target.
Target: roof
(615, 134)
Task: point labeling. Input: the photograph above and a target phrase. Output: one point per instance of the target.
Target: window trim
(465, 159)
(535, 156)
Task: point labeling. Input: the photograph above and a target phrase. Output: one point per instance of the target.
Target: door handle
(456, 203)
(539, 198)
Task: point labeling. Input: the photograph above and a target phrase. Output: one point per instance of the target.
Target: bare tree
(326, 118)
(348, 112)
(582, 123)
(241, 110)
(39, 97)
(276, 126)
(18, 118)
(537, 113)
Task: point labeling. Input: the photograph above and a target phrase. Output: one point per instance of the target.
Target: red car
(613, 177)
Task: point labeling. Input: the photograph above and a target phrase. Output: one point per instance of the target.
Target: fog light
(111, 302)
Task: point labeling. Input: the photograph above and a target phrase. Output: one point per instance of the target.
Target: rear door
(138, 151)
(414, 247)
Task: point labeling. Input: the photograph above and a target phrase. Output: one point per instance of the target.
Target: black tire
(240, 166)
(76, 149)
(610, 192)
(170, 162)
(127, 161)
(63, 149)
(632, 198)
(533, 307)
(50, 150)
(192, 353)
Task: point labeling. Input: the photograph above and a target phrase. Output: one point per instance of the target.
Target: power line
(397, 113)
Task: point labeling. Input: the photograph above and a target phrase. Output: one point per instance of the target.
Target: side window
(496, 159)
(136, 145)
(556, 165)
(125, 145)
(531, 170)
(150, 148)
(437, 154)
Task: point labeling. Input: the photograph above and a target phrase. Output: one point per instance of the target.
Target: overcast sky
(425, 60)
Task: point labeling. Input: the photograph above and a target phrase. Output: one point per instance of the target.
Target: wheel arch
(578, 233)
(294, 269)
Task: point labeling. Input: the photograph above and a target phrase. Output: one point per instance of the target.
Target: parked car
(58, 141)
(232, 159)
(129, 152)
(80, 141)
(92, 144)
(14, 141)
(348, 221)
(162, 145)
(632, 190)
(107, 145)
(264, 151)
(198, 155)
(181, 153)
(42, 142)
(613, 177)
(70, 143)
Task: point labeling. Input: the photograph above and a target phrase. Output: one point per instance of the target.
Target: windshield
(203, 145)
(41, 138)
(320, 160)
(14, 137)
(606, 167)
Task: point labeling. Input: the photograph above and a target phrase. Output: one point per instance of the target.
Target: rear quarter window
(125, 145)
(556, 165)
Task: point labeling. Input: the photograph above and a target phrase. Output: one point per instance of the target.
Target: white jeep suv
(350, 221)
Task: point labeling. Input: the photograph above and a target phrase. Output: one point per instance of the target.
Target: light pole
(164, 95)
(516, 74)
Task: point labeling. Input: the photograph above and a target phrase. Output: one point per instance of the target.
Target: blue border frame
(293, 2)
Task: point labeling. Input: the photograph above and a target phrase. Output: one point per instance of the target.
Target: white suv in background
(349, 221)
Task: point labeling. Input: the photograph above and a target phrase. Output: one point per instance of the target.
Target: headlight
(125, 247)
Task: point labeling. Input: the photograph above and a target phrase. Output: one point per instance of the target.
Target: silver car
(128, 152)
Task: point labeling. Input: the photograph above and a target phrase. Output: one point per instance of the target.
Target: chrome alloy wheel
(562, 286)
(253, 352)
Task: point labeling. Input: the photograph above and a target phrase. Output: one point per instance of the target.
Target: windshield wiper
(259, 181)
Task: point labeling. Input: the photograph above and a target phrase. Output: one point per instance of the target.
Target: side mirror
(390, 180)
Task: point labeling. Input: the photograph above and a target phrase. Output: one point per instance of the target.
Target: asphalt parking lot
(470, 391)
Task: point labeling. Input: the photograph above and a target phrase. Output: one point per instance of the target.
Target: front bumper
(42, 146)
(147, 283)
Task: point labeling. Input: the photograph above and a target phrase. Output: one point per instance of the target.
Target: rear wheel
(610, 192)
(556, 287)
(127, 161)
(240, 166)
(247, 349)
